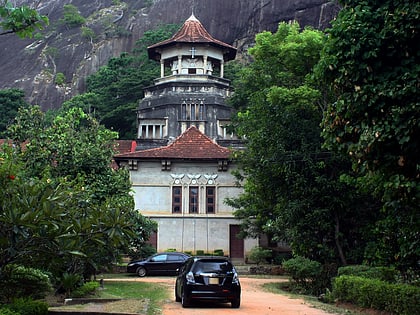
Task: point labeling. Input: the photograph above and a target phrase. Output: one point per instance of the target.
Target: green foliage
(373, 293)
(4, 310)
(371, 64)
(292, 190)
(118, 86)
(72, 16)
(71, 281)
(22, 20)
(88, 33)
(259, 255)
(88, 288)
(219, 252)
(27, 306)
(10, 101)
(62, 204)
(19, 281)
(60, 78)
(304, 272)
(387, 274)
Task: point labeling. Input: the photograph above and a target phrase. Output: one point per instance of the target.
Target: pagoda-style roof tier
(192, 32)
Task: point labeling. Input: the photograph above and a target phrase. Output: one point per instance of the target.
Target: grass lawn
(137, 297)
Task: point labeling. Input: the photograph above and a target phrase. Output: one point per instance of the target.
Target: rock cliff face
(33, 64)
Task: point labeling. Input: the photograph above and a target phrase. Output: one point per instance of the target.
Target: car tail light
(190, 277)
(235, 278)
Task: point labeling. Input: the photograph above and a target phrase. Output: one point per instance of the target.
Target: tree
(23, 21)
(63, 205)
(10, 101)
(292, 187)
(119, 85)
(371, 63)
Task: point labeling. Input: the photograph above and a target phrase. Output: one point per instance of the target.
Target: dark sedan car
(208, 278)
(161, 264)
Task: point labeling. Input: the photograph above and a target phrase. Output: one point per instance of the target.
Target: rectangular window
(176, 199)
(210, 199)
(193, 199)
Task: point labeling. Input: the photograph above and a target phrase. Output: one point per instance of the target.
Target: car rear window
(212, 266)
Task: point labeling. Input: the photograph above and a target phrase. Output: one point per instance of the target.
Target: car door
(157, 264)
(174, 261)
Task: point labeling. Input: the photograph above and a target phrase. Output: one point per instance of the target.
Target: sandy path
(255, 301)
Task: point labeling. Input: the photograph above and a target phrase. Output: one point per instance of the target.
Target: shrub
(71, 16)
(19, 281)
(219, 252)
(27, 306)
(373, 293)
(70, 282)
(199, 252)
(387, 274)
(279, 258)
(304, 272)
(7, 311)
(88, 288)
(259, 255)
(145, 251)
(60, 78)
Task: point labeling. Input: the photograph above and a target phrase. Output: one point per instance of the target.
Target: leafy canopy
(292, 187)
(62, 203)
(23, 20)
(371, 64)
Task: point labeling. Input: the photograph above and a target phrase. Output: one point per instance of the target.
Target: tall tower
(191, 89)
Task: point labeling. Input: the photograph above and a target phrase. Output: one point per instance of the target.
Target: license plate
(213, 280)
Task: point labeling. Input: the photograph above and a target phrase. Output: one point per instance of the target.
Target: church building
(181, 164)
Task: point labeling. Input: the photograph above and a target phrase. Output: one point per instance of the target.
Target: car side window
(174, 258)
(159, 258)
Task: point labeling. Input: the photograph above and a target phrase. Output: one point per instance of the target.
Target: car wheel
(177, 297)
(141, 271)
(236, 302)
(185, 301)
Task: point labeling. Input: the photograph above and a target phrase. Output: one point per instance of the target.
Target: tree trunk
(337, 240)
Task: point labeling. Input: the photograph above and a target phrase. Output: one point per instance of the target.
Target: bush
(71, 16)
(387, 274)
(259, 255)
(380, 295)
(305, 273)
(26, 306)
(219, 252)
(19, 281)
(6, 311)
(71, 282)
(279, 258)
(86, 289)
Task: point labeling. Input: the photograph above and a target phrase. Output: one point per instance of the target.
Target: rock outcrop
(113, 27)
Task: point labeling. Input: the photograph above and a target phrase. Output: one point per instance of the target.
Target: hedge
(373, 293)
(387, 274)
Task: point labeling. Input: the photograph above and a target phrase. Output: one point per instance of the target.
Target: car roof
(210, 258)
(171, 253)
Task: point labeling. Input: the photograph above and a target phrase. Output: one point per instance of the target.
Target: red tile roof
(192, 31)
(192, 144)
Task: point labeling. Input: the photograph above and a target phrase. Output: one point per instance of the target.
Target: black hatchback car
(208, 278)
(162, 264)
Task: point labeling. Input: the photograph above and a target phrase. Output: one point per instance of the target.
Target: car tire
(236, 303)
(141, 271)
(185, 301)
(177, 297)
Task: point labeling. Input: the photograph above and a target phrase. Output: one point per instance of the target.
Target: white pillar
(162, 68)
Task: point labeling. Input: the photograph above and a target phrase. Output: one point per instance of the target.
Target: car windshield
(212, 266)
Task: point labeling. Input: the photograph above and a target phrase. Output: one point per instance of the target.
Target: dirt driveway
(255, 301)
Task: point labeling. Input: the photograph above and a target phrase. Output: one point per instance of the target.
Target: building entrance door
(236, 245)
